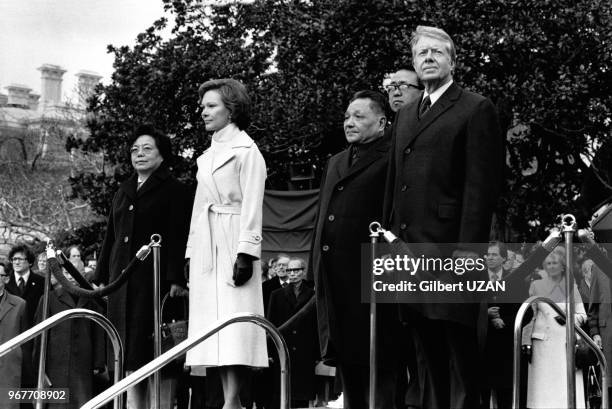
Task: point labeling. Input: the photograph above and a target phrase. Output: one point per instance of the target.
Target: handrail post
(191, 342)
(518, 329)
(42, 358)
(60, 317)
(374, 236)
(156, 246)
(569, 228)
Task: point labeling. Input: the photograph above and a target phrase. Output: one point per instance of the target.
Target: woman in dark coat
(151, 201)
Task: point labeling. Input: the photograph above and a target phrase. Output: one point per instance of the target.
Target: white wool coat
(226, 220)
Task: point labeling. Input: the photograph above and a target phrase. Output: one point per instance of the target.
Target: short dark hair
(378, 102)
(162, 141)
(503, 249)
(234, 96)
(22, 248)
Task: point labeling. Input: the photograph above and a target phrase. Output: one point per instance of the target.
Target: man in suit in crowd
(278, 280)
(13, 321)
(29, 286)
(350, 199)
(403, 88)
(444, 179)
(303, 346)
(499, 345)
(23, 283)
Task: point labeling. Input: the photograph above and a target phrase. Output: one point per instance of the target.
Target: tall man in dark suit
(350, 199)
(29, 286)
(23, 282)
(445, 173)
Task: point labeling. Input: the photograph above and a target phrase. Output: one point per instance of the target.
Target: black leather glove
(243, 269)
(526, 352)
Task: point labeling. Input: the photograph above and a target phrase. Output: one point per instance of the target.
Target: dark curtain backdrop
(288, 222)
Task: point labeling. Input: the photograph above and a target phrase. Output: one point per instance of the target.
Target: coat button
(293, 348)
(403, 226)
(131, 207)
(404, 188)
(126, 239)
(341, 188)
(294, 332)
(331, 217)
(407, 151)
(325, 247)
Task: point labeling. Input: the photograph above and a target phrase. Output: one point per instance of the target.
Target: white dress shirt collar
(434, 96)
(25, 277)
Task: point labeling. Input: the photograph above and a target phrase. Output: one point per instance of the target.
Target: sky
(73, 34)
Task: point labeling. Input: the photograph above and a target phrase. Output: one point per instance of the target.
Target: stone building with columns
(34, 131)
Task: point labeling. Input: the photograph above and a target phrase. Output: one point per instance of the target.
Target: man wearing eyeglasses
(23, 283)
(12, 323)
(301, 336)
(403, 88)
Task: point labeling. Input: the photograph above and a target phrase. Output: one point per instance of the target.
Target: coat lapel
(158, 177)
(5, 305)
(65, 298)
(239, 140)
(378, 149)
(415, 126)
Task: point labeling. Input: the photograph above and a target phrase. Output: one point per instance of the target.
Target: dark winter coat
(74, 348)
(162, 205)
(301, 338)
(13, 321)
(351, 197)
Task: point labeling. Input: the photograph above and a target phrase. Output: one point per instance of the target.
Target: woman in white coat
(547, 386)
(224, 244)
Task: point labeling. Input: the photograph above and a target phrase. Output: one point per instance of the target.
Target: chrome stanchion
(375, 230)
(42, 358)
(60, 317)
(569, 228)
(156, 247)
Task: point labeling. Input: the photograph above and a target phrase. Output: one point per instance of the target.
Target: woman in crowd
(224, 244)
(547, 370)
(151, 201)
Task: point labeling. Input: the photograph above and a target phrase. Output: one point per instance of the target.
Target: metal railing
(60, 317)
(189, 343)
(518, 331)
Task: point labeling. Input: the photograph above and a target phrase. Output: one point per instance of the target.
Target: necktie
(21, 285)
(425, 104)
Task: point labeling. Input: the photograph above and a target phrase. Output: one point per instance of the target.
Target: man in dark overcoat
(445, 174)
(151, 201)
(301, 337)
(350, 199)
(75, 348)
(13, 321)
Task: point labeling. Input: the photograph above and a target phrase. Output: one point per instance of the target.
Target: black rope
(56, 269)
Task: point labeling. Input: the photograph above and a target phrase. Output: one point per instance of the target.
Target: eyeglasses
(145, 149)
(294, 270)
(16, 259)
(403, 87)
